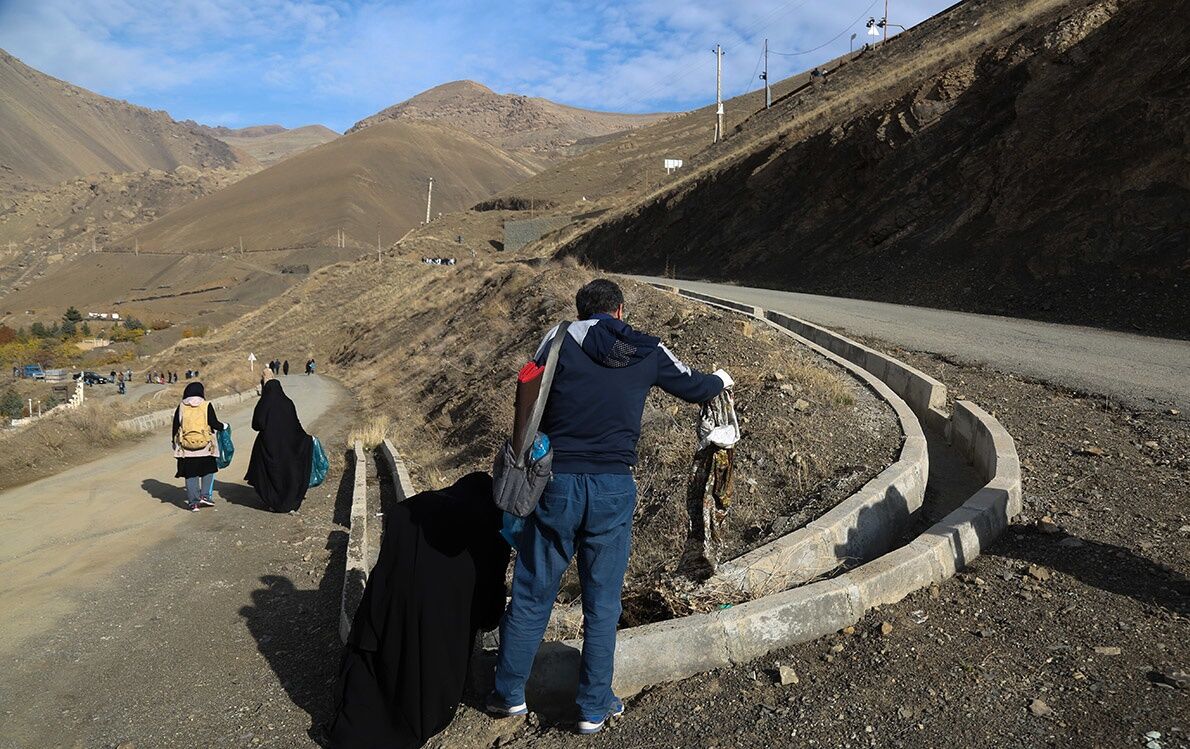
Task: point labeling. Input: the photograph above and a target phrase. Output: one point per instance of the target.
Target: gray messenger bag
(517, 480)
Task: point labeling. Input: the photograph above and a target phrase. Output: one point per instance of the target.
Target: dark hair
(600, 295)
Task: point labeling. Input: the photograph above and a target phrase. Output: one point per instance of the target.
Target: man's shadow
(175, 494)
(297, 631)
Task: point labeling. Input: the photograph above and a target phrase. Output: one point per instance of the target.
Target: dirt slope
(1030, 161)
(269, 144)
(373, 177)
(54, 131)
(536, 130)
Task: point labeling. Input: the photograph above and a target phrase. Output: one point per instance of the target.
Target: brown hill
(53, 131)
(269, 144)
(537, 130)
(374, 177)
(1028, 160)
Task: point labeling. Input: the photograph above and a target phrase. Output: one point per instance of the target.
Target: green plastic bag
(319, 465)
(226, 448)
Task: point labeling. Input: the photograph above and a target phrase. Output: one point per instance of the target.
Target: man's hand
(727, 381)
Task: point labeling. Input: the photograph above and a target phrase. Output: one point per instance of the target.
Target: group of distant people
(279, 469)
(165, 378)
(438, 260)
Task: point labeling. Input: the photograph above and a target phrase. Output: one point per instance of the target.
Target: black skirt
(189, 468)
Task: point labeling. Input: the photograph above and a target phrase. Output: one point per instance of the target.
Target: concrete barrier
(356, 576)
(680, 648)
(165, 417)
(398, 471)
(358, 568)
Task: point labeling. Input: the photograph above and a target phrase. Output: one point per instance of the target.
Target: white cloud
(350, 59)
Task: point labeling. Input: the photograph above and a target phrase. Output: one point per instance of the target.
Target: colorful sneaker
(206, 502)
(589, 725)
(193, 507)
(495, 706)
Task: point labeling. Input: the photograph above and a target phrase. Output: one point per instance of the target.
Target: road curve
(1144, 372)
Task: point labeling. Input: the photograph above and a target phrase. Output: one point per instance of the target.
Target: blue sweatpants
(587, 513)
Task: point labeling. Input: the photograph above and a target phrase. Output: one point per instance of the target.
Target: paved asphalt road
(1142, 371)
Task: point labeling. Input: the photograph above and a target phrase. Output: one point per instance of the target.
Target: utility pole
(378, 243)
(136, 247)
(241, 245)
(718, 92)
(429, 198)
(768, 96)
(885, 21)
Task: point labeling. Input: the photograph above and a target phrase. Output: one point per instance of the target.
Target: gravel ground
(1066, 632)
(225, 635)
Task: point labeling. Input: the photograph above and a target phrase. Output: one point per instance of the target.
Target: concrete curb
(358, 569)
(356, 576)
(397, 469)
(860, 527)
(163, 418)
(677, 649)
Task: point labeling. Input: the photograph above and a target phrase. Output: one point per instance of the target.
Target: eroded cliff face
(1046, 175)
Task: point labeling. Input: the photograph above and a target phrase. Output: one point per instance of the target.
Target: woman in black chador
(438, 581)
(280, 465)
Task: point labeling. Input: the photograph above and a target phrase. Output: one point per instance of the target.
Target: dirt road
(1142, 371)
(112, 592)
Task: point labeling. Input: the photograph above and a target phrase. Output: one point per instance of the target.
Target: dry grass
(57, 442)
(371, 433)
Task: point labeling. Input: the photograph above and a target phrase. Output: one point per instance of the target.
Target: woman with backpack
(281, 456)
(194, 445)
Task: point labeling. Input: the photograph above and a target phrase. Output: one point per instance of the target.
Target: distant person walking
(280, 465)
(285, 367)
(194, 445)
(309, 367)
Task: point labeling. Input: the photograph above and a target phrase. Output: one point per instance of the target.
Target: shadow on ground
(173, 494)
(1105, 566)
(297, 631)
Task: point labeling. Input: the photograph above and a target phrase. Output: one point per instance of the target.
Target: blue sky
(297, 62)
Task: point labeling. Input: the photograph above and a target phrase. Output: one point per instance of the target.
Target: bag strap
(543, 394)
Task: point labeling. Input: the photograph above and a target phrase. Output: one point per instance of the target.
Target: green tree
(133, 324)
(39, 330)
(86, 329)
(70, 320)
(11, 405)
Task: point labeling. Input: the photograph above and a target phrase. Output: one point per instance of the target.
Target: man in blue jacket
(605, 370)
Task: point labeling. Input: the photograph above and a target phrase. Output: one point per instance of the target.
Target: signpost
(252, 362)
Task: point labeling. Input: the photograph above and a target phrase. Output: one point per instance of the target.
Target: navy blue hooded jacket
(605, 370)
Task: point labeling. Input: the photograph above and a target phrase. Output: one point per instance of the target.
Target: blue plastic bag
(319, 465)
(226, 448)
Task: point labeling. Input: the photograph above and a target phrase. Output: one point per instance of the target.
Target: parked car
(33, 371)
(92, 378)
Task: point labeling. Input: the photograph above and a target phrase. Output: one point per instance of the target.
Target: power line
(752, 78)
(833, 40)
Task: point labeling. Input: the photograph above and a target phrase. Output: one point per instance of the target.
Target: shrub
(159, 324)
(11, 405)
(198, 332)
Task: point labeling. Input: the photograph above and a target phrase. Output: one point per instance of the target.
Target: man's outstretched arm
(690, 385)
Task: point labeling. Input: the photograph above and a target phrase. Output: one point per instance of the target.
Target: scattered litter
(919, 616)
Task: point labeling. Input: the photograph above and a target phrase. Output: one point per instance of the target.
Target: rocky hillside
(1029, 160)
(53, 131)
(373, 178)
(537, 130)
(269, 144)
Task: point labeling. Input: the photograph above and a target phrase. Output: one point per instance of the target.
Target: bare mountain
(1031, 163)
(53, 131)
(537, 130)
(268, 144)
(370, 179)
